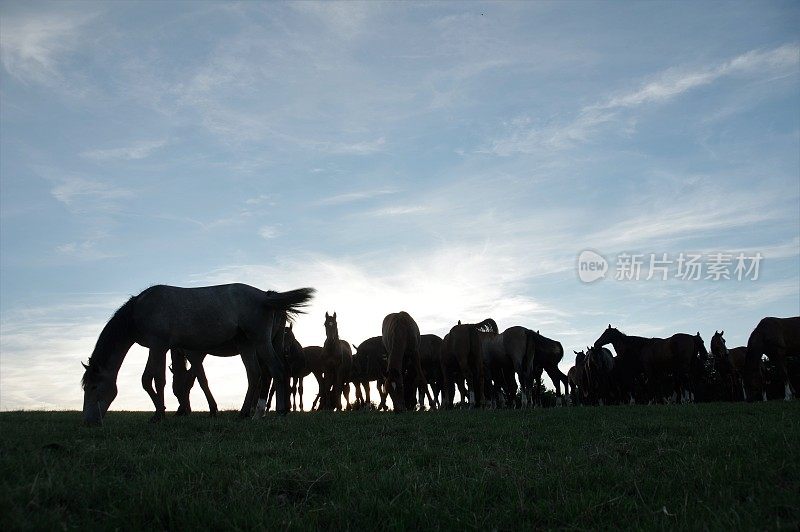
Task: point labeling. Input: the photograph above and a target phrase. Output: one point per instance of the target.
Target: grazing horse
(205, 319)
(452, 376)
(430, 358)
(599, 374)
(369, 364)
(628, 364)
(777, 338)
(547, 354)
(462, 347)
(403, 367)
(577, 379)
(729, 364)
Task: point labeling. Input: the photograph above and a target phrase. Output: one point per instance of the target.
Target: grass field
(716, 466)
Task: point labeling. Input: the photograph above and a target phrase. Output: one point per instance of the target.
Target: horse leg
(263, 392)
(147, 378)
(158, 357)
(180, 381)
(432, 402)
(253, 371)
(200, 372)
(268, 358)
(300, 391)
(780, 361)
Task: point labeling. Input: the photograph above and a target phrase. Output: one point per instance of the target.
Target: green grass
(715, 466)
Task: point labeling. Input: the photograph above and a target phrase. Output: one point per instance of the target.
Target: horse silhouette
(462, 358)
(229, 317)
(403, 367)
(369, 364)
(777, 338)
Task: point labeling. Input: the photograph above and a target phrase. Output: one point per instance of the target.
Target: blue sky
(449, 159)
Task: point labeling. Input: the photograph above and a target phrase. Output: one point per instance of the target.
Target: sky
(447, 159)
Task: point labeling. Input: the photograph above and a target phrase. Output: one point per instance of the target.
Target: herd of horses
(489, 368)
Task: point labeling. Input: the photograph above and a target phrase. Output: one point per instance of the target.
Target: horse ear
(170, 369)
(698, 333)
(721, 333)
(84, 365)
(459, 322)
(609, 325)
(326, 315)
(574, 351)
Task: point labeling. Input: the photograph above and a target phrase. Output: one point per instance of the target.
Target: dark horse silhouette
(578, 380)
(730, 365)
(599, 375)
(403, 369)
(229, 317)
(547, 354)
(656, 358)
(430, 358)
(330, 364)
(369, 364)
(462, 356)
(777, 338)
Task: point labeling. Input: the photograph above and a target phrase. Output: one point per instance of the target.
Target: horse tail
(117, 335)
(290, 302)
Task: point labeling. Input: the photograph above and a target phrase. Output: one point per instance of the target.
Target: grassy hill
(718, 466)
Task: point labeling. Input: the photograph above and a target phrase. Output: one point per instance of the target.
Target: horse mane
(118, 329)
(487, 325)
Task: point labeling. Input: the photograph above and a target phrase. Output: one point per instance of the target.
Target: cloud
(85, 250)
(398, 210)
(350, 197)
(76, 191)
(135, 151)
(260, 199)
(356, 148)
(268, 231)
(528, 138)
(34, 46)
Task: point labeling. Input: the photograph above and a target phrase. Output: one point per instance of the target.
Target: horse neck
(115, 341)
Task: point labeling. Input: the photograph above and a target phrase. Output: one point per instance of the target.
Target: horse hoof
(212, 413)
(157, 417)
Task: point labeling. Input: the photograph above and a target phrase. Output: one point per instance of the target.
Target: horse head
(609, 335)
(718, 347)
(99, 390)
(331, 326)
(700, 347)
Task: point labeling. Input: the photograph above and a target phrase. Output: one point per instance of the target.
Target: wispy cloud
(85, 250)
(76, 191)
(135, 151)
(268, 231)
(398, 210)
(260, 199)
(350, 197)
(527, 137)
(355, 148)
(34, 45)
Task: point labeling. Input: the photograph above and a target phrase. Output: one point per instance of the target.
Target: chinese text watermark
(716, 266)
